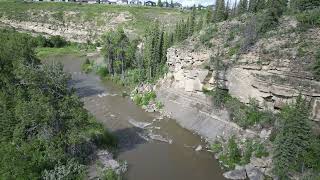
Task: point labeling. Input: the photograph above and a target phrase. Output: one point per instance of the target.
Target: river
(147, 160)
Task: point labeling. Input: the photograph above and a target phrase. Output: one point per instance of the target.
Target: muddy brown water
(147, 160)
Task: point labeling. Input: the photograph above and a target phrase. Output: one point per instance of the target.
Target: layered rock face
(272, 71)
(70, 25)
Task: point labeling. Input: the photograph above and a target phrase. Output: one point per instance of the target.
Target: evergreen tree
(171, 4)
(192, 25)
(302, 5)
(219, 14)
(199, 24)
(242, 6)
(277, 7)
(160, 3)
(260, 4)
(227, 11)
(253, 6)
(234, 9)
(209, 15)
(293, 138)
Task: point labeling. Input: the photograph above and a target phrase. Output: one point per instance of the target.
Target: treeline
(148, 62)
(45, 132)
(273, 8)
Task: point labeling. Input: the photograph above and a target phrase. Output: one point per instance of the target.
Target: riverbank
(159, 150)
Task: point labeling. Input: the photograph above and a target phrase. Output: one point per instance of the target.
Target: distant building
(177, 5)
(92, 1)
(150, 3)
(122, 2)
(165, 4)
(108, 2)
(136, 2)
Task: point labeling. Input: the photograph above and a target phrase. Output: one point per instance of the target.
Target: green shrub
(102, 71)
(260, 150)
(316, 66)
(293, 139)
(246, 116)
(232, 155)
(208, 35)
(234, 50)
(71, 170)
(159, 105)
(312, 156)
(86, 66)
(216, 147)
(110, 174)
(144, 99)
(57, 41)
(219, 96)
(247, 153)
(309, 18)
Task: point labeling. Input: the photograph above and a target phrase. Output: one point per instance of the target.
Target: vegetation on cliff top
(136, 18)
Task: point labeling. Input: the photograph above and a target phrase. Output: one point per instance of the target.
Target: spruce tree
(293, 138)
(209, 16)
(219, 14)
(277, 7)
(253, 6)
(302, 5)
(260, 4)
(242, 7)
(192, 20)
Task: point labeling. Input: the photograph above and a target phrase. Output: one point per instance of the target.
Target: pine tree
(302, 5)
(160, 3)
(192, 21)
(219, 14)
(209, 16)
(242, 6)
(234, 9)
(227, 11)
(253, 6)
(199, 24)
(277, 7)
(260, 5)
(292, 140)
(171, 4)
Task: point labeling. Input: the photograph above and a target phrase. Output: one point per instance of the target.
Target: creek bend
(147, 160)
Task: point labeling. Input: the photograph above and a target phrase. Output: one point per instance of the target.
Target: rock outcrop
(271, 71)
(71, 26)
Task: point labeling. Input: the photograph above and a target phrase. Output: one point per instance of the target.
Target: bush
(216, 147)
(159, 105)
(309, 18)
(208, 35)
(246, 116)
(71, 170)
(293, 139)
(57, 41)
(316, 67)
(102, 72)
(233, 155)
(144, 99)
(110, 174)
(86, 66)
(260, 150)
(247, 153)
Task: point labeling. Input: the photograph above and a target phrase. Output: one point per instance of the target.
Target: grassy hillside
(134, 19)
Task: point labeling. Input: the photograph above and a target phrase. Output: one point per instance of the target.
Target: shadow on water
(129, 138)
(84, 90)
